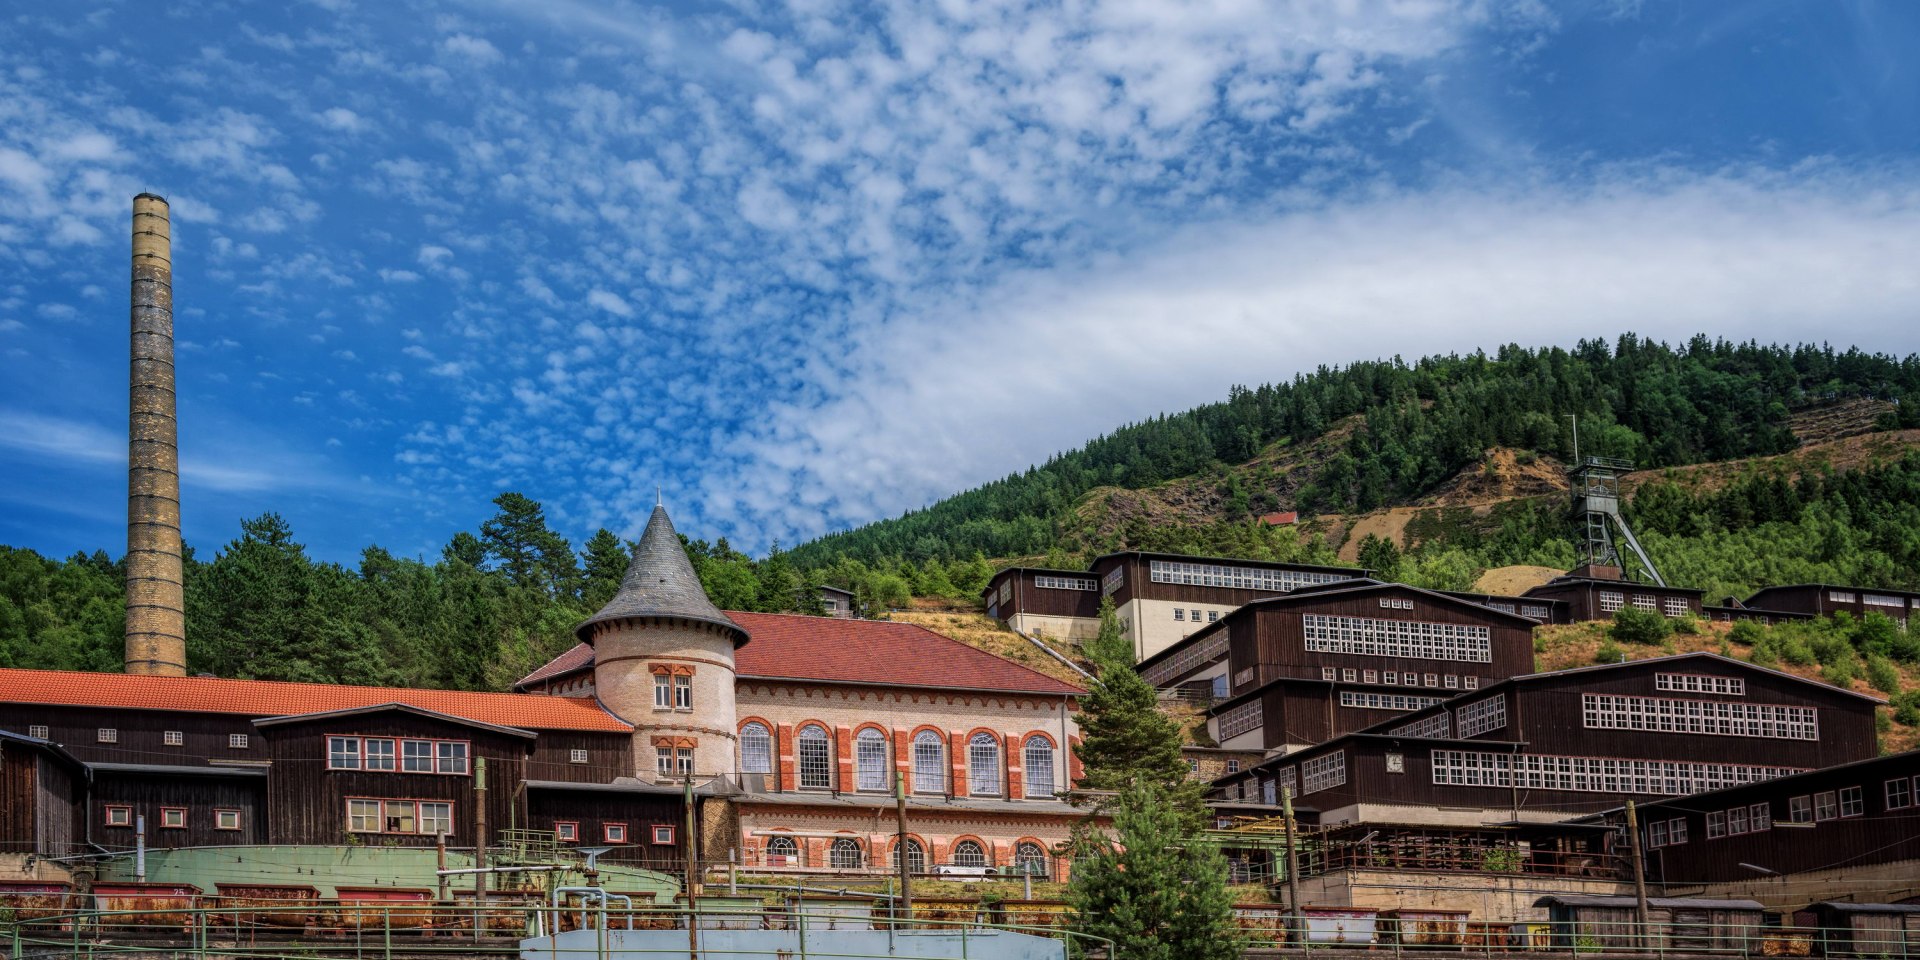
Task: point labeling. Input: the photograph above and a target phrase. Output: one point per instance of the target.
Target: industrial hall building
(792, 730)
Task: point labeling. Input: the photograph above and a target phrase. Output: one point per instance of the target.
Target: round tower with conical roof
(663, 661)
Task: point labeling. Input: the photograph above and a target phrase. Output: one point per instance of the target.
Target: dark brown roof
(660, 582)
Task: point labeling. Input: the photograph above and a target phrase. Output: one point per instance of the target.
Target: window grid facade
(1466, 768)
(983, 765)
(1711, 717)
(1324, 772)
(929, 763)
(1645, 602)
(1113, 580)
(1437, 727)
(1038, 761)
(756, 748)
(1899, 793)
(1882, 600)
(171, 738)
(1700, 683)
(1402, 702)
(967, 853)
(1238, 720)
(816, 758)
(1066, 583)
(1610, 601)
(1397, 638)
(1674, 606)
(1186, 661)
(1852, 801)
(1239, 578)
(1482, 715)
(870, 760)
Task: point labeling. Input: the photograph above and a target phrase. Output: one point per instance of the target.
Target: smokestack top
(156, 609)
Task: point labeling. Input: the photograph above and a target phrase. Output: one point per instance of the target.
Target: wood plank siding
(199, 796)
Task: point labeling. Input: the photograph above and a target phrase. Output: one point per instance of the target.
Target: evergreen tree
(603, 565)
(1153, 889)
(530, 553)
(1125, 739)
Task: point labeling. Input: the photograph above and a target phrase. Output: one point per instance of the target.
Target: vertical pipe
(156, 642)
(904, 906)
(1640, 912)
(1293, 867)
(140, 848)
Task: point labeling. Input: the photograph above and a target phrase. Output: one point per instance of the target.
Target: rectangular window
(1400, 702)
(1370, 676)
(1233, 766)
(343, 753)
(1825, 806)
(379, 752)
(614, 832)
(1329, 674)
(1674, 606)
(663, 761)
(1433, 679)
(663, 691)
(173, 818)
(577, 756)
(1349, 675)
(1608, 775)
(452, 757)
(1196, 615)
(1716, 824)
(1800, 809)
(1700, 683)
(1759, 817)
(1899, 793)
(1180, 614)
(416, 756)
(1472, 682)
(1453, 681)
(226, 819)
(436, 818)
(1237, 720)
(119, 816)
(1610, 601)
(663, 833)
(1213, 616)
(1534, 611)
(1066, 583)
(1736, 821)
(1390, 677)
(1436, 727)
(38, 731)
(400, 816)
(682, 692)
(1840, 596)
(1677, 831)
(1323, 772)
(1481, 716)
(1882, 600)
(108, 735)
(566, 831)
(236, 741)
(1643, 602)
(173, 738)
(1657, 833)
(1711, 717)
(1239, 578)
(1373, 636)
(1853, 801)
(363, 816)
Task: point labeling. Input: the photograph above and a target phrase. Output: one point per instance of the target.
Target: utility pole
(1295, 919)
(480, 829)
(692, 882)
(904, 905)
(1640, 914)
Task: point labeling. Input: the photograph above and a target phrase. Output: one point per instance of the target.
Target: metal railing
(1347, 930)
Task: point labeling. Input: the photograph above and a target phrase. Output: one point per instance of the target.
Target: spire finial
(659, 496)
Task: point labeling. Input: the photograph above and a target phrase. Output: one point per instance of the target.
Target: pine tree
(1126, 740)
(603, 565)
(1152, 889)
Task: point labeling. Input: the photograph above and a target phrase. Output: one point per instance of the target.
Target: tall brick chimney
(156, 602)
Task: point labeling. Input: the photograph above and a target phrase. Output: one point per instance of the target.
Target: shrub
(1764, 655)
(1795, 651)
(1609, 652)
(1830, 650)
(1687, 624)
(1875, 634)
(1881, 675)
(1840, 673)
(1906, 646)
(1639, 626)
(1746, 633)
(1906, 708)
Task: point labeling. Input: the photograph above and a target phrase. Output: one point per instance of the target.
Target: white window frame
(1323, 772)
(756, 748)
(1719, 718)
(1381, 637)
(983, 766)
(813, 755)
(237, 741)
(1037, 760)
(929, 760)
(872, 760)
(173, 738)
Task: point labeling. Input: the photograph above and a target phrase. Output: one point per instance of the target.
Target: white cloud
(610, 302)
(342, 119)
(471, 48)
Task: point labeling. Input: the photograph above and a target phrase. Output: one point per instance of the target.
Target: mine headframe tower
(1595, 512)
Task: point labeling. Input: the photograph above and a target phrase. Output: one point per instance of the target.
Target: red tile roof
(269, 698)
(879, 652)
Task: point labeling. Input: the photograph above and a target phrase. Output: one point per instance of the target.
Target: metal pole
(140, 848)
(440, 854)
(1640, 914)
(903, 906)
(479, 829)
(693, 923)
(1294, 916)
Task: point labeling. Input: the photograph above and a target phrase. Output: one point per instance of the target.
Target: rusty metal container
(1038, 915)
(146, 904)
(1425, 928)
(265, 904)
(400, 908)
(1262, 924)
(23, 901)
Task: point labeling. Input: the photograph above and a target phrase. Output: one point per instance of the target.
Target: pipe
(542, 868)
(140, 848)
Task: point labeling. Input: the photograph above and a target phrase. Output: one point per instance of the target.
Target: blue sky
(809, 264)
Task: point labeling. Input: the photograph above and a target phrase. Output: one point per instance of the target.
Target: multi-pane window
(1534, 611)
(1395, 603)
(756, 748)
(663, 691)
(983, 765)
(1349, 675)
(577, 756)
(1433, 679)
(1370, 676)
(1397, 638)
(236, 741)
(1716, 824)
(929, 763)
(1667, 833)
(1642, 601)
(1180, 614)
(1031, 859)
(38, 731)
(173, 818)
(1322, 772)
(816, 758)
(1242, 578)
(1436, 727)
(1113, 580)
(1759, 817)
(1737, 821)
(1899, 793)
(1674, 606)
(967, 853)
(1593, 774)
(1233, 766)
(1471, 682)
(1213, 616)
(418, 817)
(844, 854)
(1882, 600)
(1712, 717)
(343, 753)
(672, 761)
(870, 760)
(450, 756)
(416, 756)
(173, 738)
(107, 735)
(1840, 596)
(1481, 716)
(783, 852)
(1196, 615)
(1700, 683)
(1184, 662)
(1610, 601)
(1329, 674)
(378, 752)
(1038, 760)
(1800, 809)
(436, 817)
(682, 691)
(1386, 701)
(1852, 801)
(1066, 583)
(916, 856)
(1237, 720)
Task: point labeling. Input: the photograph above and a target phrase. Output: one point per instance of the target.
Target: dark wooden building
(1824, 599)
(1322, 661)
(1853, 815)
(41, 787)
(1595, 598)
(1552, 746)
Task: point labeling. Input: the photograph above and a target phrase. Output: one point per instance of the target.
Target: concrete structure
(156, 637)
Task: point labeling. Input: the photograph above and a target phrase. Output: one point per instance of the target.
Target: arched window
(1039, 764)
(870, 759)
(816, 758)
(916, 856)
(966, 853)
(756, 749)
(844, 854)
(1031, 859)
(983, 765)
(929, 763)
(783, 852)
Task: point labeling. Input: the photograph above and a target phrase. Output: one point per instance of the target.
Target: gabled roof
(660, 582)
(272, 698)
(1003, 571)
(1832, 586)
(394, 706)
(871, 652)
(54, 750)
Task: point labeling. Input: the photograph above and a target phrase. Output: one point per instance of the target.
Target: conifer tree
(1126, 740)
(1151, 889)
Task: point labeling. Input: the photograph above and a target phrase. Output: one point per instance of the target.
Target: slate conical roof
(660, 582)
